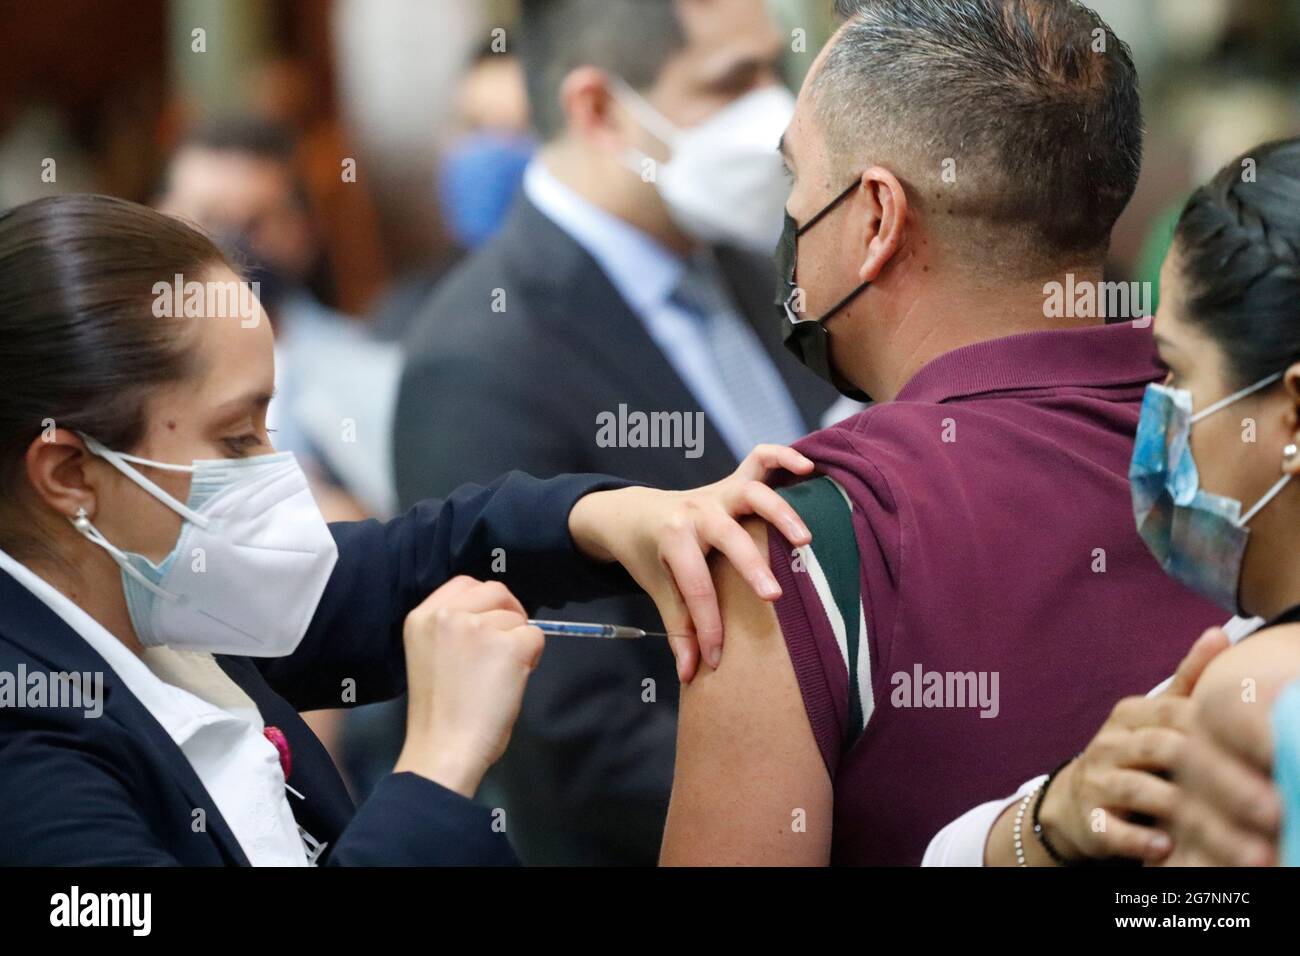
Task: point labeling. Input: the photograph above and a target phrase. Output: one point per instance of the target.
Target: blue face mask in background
(1199, 538)
(478, 179)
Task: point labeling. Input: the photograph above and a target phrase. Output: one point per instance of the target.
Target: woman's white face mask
(724, 180)
(248, 568)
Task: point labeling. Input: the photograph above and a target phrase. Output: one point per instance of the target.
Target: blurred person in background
(236, 178)
(295, 94)
(481, 171)
(479, 174)
(633, 276)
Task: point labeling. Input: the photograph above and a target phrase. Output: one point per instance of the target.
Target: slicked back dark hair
(1035, 102)
(630, 38)
(82, 347)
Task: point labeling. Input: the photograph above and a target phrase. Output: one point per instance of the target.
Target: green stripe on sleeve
(824, 509)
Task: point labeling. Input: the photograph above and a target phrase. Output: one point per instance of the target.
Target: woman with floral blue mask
(1182, 776)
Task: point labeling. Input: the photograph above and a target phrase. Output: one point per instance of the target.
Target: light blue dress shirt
(646, 274)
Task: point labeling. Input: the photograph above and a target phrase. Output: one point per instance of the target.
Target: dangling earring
(81, 521)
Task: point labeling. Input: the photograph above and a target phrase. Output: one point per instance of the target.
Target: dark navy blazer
(116, 790)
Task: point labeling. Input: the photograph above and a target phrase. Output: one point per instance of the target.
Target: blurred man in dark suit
(621, 322)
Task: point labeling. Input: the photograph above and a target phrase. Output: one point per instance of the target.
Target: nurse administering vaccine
(152, 538)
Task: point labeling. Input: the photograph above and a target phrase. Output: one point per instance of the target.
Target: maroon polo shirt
(1000, 574)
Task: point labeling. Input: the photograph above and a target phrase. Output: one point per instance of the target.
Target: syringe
(581, 629)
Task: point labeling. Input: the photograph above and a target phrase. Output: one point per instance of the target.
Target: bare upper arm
(750, 786)
(1236, 693)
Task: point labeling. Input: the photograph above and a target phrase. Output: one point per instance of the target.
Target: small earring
(81, 522)
(1289, 452)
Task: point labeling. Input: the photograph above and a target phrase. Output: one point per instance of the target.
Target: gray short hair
(630, 38)
(1034, 101)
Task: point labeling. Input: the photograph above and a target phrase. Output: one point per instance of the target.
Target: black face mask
(808, 338)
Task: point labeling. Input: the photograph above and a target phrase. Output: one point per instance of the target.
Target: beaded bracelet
(1020, 819)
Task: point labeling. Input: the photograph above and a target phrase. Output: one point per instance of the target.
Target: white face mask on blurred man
(723, 181)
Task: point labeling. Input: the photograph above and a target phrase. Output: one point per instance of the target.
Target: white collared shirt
(646, 274)
(214, 723)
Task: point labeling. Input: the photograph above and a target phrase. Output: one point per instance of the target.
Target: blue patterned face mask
(1199, 538)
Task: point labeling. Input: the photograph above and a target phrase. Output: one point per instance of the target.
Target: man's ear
(57, 469)
(1291, 380)
(886, 225)
(590, 109)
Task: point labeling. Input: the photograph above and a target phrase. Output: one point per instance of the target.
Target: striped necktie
(757, 394)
